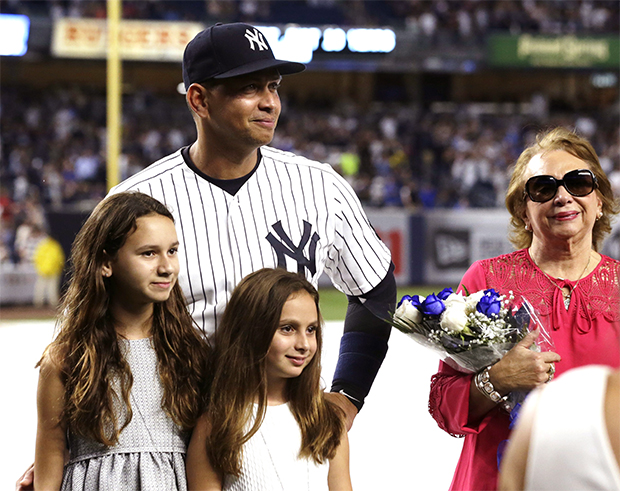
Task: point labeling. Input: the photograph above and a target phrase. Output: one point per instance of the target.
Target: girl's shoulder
(51, 387)
(52, 360)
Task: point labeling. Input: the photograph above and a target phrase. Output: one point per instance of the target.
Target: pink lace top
(588, 332)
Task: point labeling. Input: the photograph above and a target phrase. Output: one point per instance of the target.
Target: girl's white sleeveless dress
(151, 450)
(271, 462)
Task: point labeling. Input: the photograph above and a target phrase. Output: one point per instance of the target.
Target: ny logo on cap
(256, 37)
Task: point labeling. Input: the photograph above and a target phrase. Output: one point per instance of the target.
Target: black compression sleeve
(365, 340)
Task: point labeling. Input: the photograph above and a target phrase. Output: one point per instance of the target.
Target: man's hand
(345, 404)
(25, 482)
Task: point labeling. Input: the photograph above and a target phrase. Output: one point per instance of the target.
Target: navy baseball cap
(229, 50)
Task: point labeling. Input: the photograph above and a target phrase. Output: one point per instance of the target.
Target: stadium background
(425, 133)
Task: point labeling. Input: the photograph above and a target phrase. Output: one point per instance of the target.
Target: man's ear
(106, 267)
(196, 98)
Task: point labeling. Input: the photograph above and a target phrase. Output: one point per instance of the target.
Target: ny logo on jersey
(286, 247)
(256, 37)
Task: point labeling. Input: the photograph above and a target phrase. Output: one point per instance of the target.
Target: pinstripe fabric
(291, 212)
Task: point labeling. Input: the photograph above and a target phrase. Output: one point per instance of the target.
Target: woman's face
(564, 217)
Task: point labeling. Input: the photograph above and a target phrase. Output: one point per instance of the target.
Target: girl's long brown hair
(241, 343)
(86, 348)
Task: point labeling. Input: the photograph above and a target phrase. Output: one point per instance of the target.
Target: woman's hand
(521, 368)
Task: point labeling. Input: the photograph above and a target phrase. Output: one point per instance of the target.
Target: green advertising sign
(527, 50)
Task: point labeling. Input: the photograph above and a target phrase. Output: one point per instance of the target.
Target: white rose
(408, 312)
(454, 298)
(454, 318)
(473, 299)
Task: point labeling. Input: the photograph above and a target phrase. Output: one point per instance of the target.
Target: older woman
(561, 202)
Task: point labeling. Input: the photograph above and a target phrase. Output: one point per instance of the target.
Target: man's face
(243, 111)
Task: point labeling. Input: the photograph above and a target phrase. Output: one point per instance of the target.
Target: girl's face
(294, 343)
(146, 268)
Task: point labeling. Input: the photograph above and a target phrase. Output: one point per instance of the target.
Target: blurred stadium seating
(435, 124)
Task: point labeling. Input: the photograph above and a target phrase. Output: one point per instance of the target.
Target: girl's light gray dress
(151, 450)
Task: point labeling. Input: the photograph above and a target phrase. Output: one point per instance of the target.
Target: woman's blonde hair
(546, 142)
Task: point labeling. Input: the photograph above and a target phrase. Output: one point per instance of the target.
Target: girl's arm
(49, 458)
(200, 473)
(339, 478)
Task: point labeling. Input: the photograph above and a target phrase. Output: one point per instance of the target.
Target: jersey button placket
(234, 225)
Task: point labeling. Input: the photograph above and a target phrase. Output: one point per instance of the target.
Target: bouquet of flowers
(470, 331)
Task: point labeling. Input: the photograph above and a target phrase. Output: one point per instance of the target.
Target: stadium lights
(604, 80)
(14, 31)
(334, 39)
(371, 40)
(300, 43)
(297, 43)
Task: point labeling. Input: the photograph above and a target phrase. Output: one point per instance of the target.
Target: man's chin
(259, 142)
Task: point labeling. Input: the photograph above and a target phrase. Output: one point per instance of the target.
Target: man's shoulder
(283, 157)
(156, 170)
(275, 157)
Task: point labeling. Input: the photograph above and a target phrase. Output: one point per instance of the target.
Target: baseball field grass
(334, 304)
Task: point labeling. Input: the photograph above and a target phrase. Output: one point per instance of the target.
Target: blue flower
(445, 293)
(492, 292)
(514, 415)
(490, 303)
(415, 301)
(432, 305)
(404, 299)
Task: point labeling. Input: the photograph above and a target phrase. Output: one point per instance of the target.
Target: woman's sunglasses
(580, 182)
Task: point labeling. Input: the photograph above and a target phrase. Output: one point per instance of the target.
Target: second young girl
(268, 426)
(124, 380)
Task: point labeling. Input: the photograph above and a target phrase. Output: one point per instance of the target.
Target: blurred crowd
(449, 156)
(395, 155)
(468, 19)
(52, 143)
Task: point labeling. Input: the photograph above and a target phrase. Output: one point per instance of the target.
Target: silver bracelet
(482, 380)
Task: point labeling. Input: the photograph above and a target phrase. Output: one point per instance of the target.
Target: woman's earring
(527, 227)
(599, 216)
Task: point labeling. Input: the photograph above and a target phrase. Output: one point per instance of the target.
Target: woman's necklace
(565, 295)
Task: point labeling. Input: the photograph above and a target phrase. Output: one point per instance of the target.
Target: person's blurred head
(547, 156)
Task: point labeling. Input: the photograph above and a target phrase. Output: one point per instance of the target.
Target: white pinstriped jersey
(292, 212)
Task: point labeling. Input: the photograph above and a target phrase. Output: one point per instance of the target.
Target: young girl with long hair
(124, 379)
(268, 426)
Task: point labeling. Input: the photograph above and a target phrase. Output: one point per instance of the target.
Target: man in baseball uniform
(240, 205)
